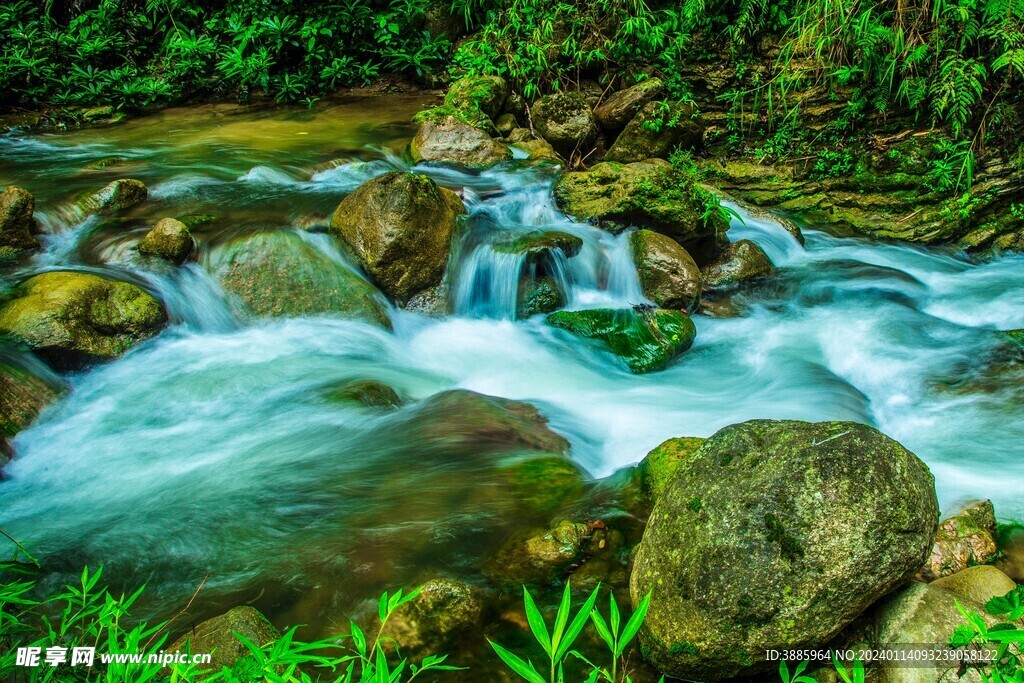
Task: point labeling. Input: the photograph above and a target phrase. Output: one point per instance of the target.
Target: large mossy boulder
(484, 93)
(668, 274)
(566, 120)
(965, 539)
(647, 340)
(400, 226)
(741, 261)
(452, 141)
(279, 274)
(216, 636)
(620, 107)
(444, 611)
(777, 534)
(17, 221)
(71, 319)
(656, 131)
(170, 240)
(119, 195)
(645, 195)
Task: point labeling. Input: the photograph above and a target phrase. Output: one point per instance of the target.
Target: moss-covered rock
(444, 611)
(538, 243)
(741, 261)
(486, 94)
(119, 195)
(646, 340)
(400, 225)
(369, 393)
(656, 470)
(505, 124)
(22, 395)
(280, 274)
(539, 296)
(455, 142)
(216, 636)
(17, 221)
(620, 107)
(668, 274)
(71, 319)
(542, 483)
(539, 555)
(644, 195)
(965, 539)
(539, 150)
(791, 530)
(656, 131)
(170, 239)
(565, 119)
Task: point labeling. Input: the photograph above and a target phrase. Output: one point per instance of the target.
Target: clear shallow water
(210, 451)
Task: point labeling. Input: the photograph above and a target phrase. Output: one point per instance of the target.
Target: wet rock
(71, 319)
(668, 275)
(216, 636)
(539, 555)
(400, 225)
(616, 111)
(17, 221)
(486, 94)
(540, 296)
(170, 239)
(517, 135)
(539, 150)
(922, 615)
(444, 611)
(658, 467)
(542, 483)
(487, 422)
(369, 393)
(505, 124)
(742, 261)
(978, 584)
(278, 274)
(22, 395)
(566, 121)
(966, 539)
(647, 341)
(782, 546)
(649, 195)
(117, 196)
(539, 243)
(455, 142)
(656, 131)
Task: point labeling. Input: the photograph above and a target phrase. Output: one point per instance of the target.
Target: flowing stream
(209, 450)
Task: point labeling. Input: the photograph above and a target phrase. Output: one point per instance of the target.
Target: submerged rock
(71, 319)
(170, 239)
(217, 636)
(668, 275)
(646, 340)
(17, 221)
(644, 195)
(400, 225)
(444, 610)
(966, 539)
(542, 483)
(782, 546)
(656, 131)
(454, 142)
(566, 120)
(616, 111)
(280, 274)
(369, 393)
(117, 196)
(742, 261)
(539, 555)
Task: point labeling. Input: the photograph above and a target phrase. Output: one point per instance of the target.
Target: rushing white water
(208, 450)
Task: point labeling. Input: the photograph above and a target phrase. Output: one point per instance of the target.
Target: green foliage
(1007, 638)
(137, 53)
(557, 642)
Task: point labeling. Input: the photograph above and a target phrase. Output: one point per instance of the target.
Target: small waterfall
(488, 284)
(193, 297)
